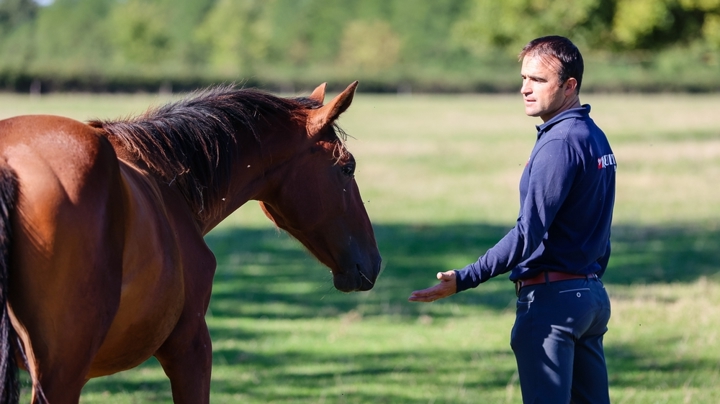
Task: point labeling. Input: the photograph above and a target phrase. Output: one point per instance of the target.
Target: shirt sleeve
(551, 174)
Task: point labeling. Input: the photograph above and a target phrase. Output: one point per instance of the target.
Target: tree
(369, 46)
(70, 37)
(14, 13)
(140, 32)
(234, 36)
(512, 23)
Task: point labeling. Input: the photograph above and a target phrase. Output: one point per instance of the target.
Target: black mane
(190, 142)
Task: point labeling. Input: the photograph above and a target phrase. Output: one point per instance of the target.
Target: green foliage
(711, 30)
(148, 33)
(138, 35)
(85, 39)
(629, 29)
(447, 45)
(14, 13)
(369, 46)
(711, 23)
(235, 36)
(511, 24)
(16, 33)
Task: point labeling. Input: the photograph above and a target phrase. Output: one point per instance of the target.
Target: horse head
(318, 201)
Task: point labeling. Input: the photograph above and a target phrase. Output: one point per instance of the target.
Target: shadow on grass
(337, 374)
(329, 375)
(263, 274)
(647, 365)
(265, 267)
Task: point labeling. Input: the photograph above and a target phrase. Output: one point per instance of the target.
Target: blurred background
(390, 45)
(438, 172)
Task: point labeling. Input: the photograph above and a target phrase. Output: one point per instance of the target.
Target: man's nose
(525, 88)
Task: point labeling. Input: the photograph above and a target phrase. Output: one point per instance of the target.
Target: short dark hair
(561, 49)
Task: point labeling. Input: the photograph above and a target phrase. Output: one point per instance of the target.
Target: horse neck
(255, 169)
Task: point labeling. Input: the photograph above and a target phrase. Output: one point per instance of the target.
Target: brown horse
(102, 257)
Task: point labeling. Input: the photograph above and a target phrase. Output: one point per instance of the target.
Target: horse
(102, 258)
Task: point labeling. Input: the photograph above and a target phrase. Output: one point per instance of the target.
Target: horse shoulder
(163, 278)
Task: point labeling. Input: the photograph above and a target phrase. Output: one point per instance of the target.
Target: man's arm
(552, 173)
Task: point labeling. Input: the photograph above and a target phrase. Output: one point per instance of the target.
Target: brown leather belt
(549, 276)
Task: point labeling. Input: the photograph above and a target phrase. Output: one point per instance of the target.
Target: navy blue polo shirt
(567, 194)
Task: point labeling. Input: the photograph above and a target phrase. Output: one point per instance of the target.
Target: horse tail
(9, 385)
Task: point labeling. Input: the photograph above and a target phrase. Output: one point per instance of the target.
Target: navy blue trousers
(558, 342)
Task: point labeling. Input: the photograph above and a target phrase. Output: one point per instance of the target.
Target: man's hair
(559, 51)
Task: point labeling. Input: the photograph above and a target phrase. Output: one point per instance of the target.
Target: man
(559, 248)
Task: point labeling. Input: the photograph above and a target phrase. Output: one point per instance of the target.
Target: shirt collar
(581, 112)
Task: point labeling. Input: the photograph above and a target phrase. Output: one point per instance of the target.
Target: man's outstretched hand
(445, 288)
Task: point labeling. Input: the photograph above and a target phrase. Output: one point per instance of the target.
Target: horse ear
(319, 118)
(319, 93)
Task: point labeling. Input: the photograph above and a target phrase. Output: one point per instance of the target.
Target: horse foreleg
(186, 358)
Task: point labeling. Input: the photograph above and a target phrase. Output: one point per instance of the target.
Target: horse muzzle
(360, 277)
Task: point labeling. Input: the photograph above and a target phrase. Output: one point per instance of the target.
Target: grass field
(439, 176)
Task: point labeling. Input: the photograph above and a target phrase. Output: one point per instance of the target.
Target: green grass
(439, 175)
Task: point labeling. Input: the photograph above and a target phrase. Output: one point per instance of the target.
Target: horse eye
(348, 169)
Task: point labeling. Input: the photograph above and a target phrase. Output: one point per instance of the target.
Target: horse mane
(190, 142)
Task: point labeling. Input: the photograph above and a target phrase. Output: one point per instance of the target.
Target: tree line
(390, 45)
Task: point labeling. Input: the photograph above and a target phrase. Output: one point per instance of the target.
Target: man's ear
(571, 86)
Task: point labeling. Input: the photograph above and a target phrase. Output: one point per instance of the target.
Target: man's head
(552, 69)
(560, 53)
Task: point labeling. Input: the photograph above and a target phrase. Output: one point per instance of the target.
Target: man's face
(542, 91)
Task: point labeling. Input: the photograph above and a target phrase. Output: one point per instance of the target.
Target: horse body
(107, 262)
